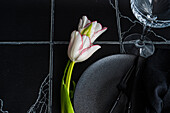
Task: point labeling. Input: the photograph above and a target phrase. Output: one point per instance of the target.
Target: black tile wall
(27, 20)
(22, 70)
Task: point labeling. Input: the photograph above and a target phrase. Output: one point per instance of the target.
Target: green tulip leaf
(74, 86)
(72, 91)
(66, 105)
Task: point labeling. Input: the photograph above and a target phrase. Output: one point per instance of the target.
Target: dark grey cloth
(146, 90)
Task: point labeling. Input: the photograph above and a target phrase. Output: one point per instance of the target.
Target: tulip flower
(80, 49)
(81, 44)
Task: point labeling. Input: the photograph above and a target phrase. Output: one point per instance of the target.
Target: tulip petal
(93, 28)
(98, 27)
(71, 43)
(80, 24)
(97, 34)
(85, 21)
(86, 42)
(77, 44)
(86, 53)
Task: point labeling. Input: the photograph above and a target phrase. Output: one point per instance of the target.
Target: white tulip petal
(98, 27)
(77, 44)
(97, 34)
(85, 21)
(93, 28)
(80, 24)
(94, 25)
(86, 42)
(87, 53)
(88, 21)
(71, 43)
(86, 26)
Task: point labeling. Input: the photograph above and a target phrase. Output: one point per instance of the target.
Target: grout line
(67, 42)
(119, 26)
(51, 57)
(154, 42)
(25, 43)
(61, 42)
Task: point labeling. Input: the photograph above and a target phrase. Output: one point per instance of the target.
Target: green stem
(68, 78)
(65, 72)
(66, 106)
(66, 68)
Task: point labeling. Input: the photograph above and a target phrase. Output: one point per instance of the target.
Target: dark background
(24, 67)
